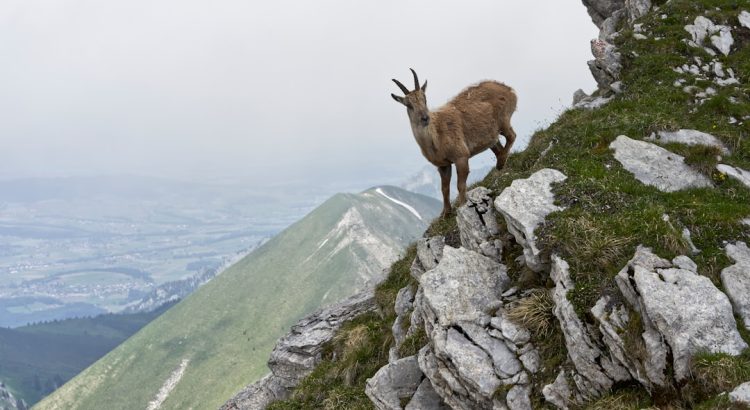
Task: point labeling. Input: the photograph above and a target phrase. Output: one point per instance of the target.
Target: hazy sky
(272, 90)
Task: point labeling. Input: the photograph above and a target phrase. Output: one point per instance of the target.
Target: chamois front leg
(462, 169)
(501, 152)
(445, 185)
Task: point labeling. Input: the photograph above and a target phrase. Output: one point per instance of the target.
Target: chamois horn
(401, 86)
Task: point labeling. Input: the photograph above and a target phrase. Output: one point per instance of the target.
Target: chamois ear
(398, 99)
(424, 86)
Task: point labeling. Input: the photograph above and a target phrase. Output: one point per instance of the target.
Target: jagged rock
(600, 10)
(606, 66)
(403, 306)
(477, 225)
(429, 251)
(736, 173)
(394, 382)
(746, 221)
(525, 204)
(637, 8)
(595, 372)
(578, 96)
(504, 361)
(689, 137)
(296, 354)
(559, 392)
(464, 286)
(741, 394)
(656, 166)
(426, 398)
(744, 19)
(736, 280)
(720, 36)
(687, 310)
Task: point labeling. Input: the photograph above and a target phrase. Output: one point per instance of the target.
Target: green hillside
(222, 334)
(39, 358)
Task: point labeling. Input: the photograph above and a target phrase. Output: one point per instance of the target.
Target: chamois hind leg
(445, 185)
(510, 138)
(462, 169)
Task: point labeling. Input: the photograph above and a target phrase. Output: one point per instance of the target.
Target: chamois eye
(409, 106)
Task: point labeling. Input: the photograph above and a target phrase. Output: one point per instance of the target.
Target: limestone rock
(744, 19)
(525, 204)
(296, 354)
(463, 287)
(403, 305)
(559, 392)
(600, 10)
(736, 173)
(426, 398)
(595, 372)
(606, 65)
(637, 8)
(578, 96)
(689, 137)
(736, 280)
(394, 382)
(687, 310)
(477, 224)
(741, 394)
(656, 166)
(592, 103)
(719, 35)
(429, 251)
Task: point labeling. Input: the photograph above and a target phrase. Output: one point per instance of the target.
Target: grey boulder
(689, 137)
(656, 166)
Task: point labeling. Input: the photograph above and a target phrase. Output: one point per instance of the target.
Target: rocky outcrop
(659, 314)
(524, 205)
(665, 296)
(736, 280)
(656, 166)
(296, 354)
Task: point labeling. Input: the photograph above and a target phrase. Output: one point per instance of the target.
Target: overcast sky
(264, 91)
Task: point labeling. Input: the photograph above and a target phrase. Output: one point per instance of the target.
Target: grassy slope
(228, 327)
(608, 212)
(38, 358)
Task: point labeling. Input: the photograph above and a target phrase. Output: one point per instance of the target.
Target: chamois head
(415, 101)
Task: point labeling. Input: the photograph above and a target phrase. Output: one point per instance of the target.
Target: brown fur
(468, 124)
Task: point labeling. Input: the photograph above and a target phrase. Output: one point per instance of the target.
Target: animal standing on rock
(468, 124)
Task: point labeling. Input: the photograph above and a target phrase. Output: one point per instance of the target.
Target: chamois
(468, 124)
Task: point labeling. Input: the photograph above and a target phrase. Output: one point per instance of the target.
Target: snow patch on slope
(404, 204)
(168, 386)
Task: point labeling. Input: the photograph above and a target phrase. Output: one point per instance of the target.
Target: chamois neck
(425, 137)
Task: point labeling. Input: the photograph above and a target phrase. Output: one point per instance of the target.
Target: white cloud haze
(272, 90)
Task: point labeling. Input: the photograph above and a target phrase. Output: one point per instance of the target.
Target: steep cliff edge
(606, 267)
